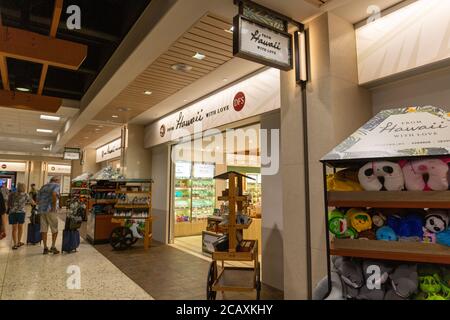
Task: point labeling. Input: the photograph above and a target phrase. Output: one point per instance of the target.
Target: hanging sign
(262, 44)
(251, 97)
(71, 154)
(110, 151)
(405, 132)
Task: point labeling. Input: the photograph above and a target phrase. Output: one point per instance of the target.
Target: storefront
(62, 172)
(226, 128)
(110, 154)
(12, 173)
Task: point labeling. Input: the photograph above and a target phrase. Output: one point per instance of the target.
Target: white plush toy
(436, 169)
(370, 173)
(436, 220)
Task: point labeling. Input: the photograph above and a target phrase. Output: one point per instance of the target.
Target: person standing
(33, 193)
(16, 205)
(48, 204)
(5, 192)
(4, 219)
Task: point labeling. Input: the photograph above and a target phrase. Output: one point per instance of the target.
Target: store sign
(254, 96)
(399, 133)
(262, 44)
(58, 168)
(110, 151)
(183, 170)
(71, 154)
(204, 171)
(13, 166)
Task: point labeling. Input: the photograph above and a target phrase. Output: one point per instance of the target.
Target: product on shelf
(344, 180)
(435, 169)
(436, 220)
(391, 172)
(386, 234)
(107, 173)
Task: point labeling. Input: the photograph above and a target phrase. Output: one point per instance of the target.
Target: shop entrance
(195, 192)
(8, 179)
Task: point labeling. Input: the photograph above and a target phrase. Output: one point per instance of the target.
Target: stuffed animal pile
(358, 279)
(417, 175)
(416, 225)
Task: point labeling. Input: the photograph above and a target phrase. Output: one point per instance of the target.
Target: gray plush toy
(405, 280)
(369, 275)
(351, 274)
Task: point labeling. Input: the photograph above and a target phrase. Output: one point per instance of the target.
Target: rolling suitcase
(34, 233)
(70, 241)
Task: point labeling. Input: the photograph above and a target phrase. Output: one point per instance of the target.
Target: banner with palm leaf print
(404, 132)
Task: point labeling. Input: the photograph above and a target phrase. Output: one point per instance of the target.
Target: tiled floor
(27, 274)
(168, 273)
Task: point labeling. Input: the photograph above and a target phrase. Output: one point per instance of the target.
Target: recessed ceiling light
(23, 89)
(229, 30)
(199, 56)
(225, 80)
(148, 93)
(97, 129)
(86, 137)
(185, 100)
(50, 118)
(181, 67)
(44, 130)
(123, 109)
(115, 116)
(46, 148)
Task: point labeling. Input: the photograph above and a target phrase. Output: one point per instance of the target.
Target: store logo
(53, 169)
(239, 101)
(162, 131)
(4, 166)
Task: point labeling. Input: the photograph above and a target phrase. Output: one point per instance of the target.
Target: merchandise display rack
(80, 192)
(234, 278)
(342, 158)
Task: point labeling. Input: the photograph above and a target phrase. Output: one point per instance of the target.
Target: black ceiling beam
(15, 16)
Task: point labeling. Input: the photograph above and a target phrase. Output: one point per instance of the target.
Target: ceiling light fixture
(199, 56)
(115, 116)
(225, 80)
(123, 109)
(23, 89)
(44, 130)
(230, 30)
(46, 148)
(50, 118)
(181, 67)
(148, 93)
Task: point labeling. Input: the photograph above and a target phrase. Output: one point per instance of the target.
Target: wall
(407, 41)
(160, 161)
(137, 159)
(272, 217)
(431, 88)
(89, 165)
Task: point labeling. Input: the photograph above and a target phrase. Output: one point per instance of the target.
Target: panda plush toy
(436, 221)
(371, 174)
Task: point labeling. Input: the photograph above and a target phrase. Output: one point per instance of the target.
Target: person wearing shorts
(48, 204)
(16, 207)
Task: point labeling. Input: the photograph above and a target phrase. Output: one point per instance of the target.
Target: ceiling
(104, 24)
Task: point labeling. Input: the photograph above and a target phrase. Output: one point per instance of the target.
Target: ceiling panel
(89, 134)
(209, 36)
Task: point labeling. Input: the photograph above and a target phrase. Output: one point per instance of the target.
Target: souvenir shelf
(343, 156)
(113, 204)
(80, 192)
(233, 278)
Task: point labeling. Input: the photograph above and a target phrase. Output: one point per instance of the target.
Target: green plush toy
(337, 224)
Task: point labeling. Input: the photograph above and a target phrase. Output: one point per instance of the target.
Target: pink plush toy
(436, 169)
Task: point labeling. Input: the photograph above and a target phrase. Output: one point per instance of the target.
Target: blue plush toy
(407, 228)
(443, 237)
(387, 234)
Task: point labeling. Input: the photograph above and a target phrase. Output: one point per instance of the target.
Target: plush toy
(428, 237)
(444, 238)
(436, 170)
(386, 233)
(391, 172)
(378, 218)
(408, 228)
(359, 220)
(344, 180)
(436, 220)
(338, 225)
(367, 235)
(350, 271)
(336, 293)
(405, 280)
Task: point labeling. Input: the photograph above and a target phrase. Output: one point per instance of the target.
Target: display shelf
(132, 192)
(103, 190)
(248, 255)
(130, 217)
(131, 206)
(237, 226)
(103, 201)
(235, 279)
(391, 250)
(390, 199)
(237, 198)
